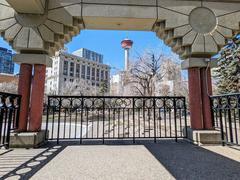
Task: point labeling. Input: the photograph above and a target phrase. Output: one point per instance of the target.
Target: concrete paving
(106, 163)
(122, 160)
(226, 151)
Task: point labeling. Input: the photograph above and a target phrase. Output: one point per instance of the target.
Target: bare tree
(164, 90)
(78, 87)
(144, 74)
(9, 87)
(172, 71)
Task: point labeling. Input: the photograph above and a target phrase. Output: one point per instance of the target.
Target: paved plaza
(122, 160)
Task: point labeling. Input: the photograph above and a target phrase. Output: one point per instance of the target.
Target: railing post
(221, 122)
(230, 120)
(47, 120)
(59, 116)
(185, 118)
(212, 112)
(154, 119)
(5, 120)
(82, 104)
(175, 118)
(10, 113)
(19, 100)
(3, 108)
(103, 120)
(133, 120)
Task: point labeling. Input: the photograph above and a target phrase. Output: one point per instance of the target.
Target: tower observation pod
(127, 45)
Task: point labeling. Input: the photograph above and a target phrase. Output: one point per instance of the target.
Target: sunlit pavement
(122, 160)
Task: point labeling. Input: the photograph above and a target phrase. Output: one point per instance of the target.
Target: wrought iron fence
(226, 117)
(115, 118)
(9, 116)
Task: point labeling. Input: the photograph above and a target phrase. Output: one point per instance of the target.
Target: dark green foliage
(228, 72)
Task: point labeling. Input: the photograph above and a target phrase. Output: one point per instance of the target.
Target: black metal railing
(226, 117)
(9, 116)
(115, 118)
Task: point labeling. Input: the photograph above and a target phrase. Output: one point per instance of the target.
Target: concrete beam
(33, 59)
(198, 62)
(121, 15)
(28, 6)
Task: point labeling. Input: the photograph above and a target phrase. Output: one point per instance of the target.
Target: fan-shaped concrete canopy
(191, 28)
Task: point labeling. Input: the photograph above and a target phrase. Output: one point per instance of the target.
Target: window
(93, 74)
(102, 75)
(98, 74)
(106, 75)
(65, 68)
(78, 71)
(83, 71)
(88, 54)
(88, 72)
(72, 69)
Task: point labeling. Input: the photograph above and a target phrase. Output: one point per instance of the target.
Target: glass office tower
(6, 62)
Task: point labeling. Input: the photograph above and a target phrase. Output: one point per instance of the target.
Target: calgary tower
(127, 45)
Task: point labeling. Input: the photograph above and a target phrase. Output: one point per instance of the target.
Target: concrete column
(24, 89)
(200, 88)
(206, 92)
(36, 110)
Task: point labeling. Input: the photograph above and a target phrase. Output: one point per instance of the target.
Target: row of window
(92, 73)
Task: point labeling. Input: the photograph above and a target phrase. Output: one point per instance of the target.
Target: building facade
(6, 62)
(72, 68)
(8, 78)
(117, 84)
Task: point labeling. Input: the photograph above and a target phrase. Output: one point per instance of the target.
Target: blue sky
(108, 43)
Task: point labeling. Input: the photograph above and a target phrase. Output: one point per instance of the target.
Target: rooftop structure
(89, 55)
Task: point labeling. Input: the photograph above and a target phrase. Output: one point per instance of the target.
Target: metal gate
(9, 116)
(226, 117)
(83, 118)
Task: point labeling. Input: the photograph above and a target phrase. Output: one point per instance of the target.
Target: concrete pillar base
(27, 139)
(204, 137)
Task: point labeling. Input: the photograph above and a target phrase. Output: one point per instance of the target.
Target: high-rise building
(6, 62)
(71, 68)
(89, 55)
(119, 80)
(127, 45)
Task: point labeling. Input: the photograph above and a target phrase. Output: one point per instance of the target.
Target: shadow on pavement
(186, 161)
(34, 164)
(182, 159)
